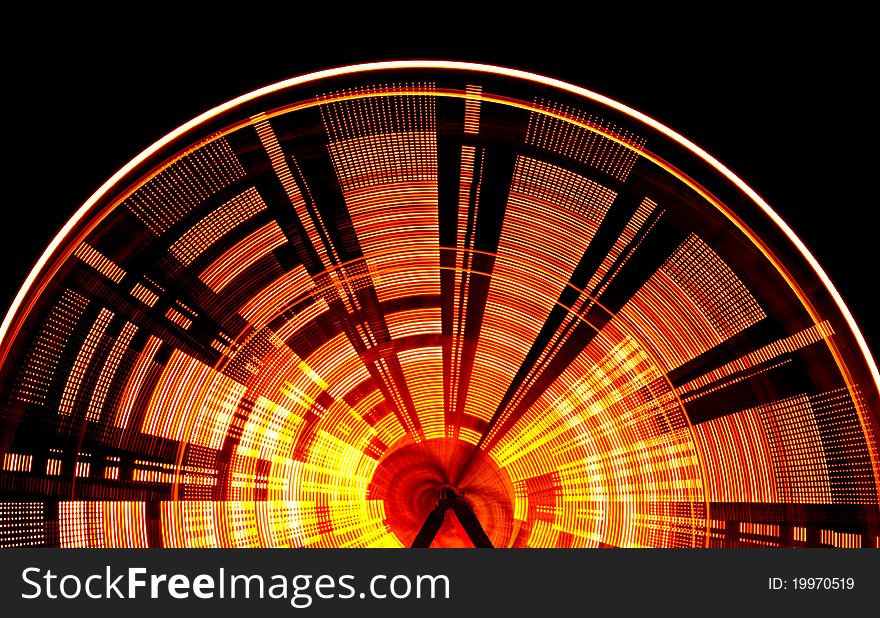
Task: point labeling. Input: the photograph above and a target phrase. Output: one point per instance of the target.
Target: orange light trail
(333, 308)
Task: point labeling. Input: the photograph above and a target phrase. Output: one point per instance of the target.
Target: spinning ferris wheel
(432, 304)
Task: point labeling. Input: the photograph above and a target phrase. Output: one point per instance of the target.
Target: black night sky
(785, 105)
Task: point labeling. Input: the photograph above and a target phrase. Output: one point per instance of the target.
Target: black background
(784, 103)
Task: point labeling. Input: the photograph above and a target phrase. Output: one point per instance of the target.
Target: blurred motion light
(307, 316)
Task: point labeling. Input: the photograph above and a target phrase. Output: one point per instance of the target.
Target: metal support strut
(461, 511)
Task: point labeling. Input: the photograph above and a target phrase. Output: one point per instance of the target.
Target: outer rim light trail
(442, 64)
(651, 452)
(524, 75)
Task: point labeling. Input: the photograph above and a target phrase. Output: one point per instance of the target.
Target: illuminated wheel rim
(297, 318)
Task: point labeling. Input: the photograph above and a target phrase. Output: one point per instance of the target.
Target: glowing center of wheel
(411, 476)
